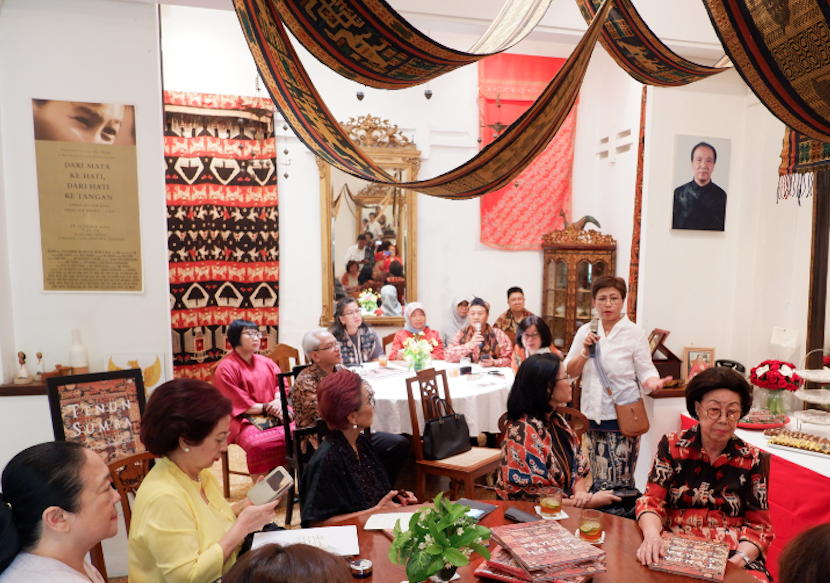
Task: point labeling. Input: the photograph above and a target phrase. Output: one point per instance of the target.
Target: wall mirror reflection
(369, 231)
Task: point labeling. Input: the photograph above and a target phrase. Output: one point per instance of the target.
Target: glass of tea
(590, 525)
(551, 504)
(383, 360)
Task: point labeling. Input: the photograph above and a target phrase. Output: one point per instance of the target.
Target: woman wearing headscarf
(458, 310)
(389, 301)
(416, 323)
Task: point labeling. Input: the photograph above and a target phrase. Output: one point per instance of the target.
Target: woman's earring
(187, 450)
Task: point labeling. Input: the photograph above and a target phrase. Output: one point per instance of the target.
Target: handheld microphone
(594, 328)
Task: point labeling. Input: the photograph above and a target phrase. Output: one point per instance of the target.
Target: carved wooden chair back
(282, 355)
(127, 475)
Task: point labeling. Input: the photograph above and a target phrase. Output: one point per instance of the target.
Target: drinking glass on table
(551, 504)
(590, 525)
(383, 360)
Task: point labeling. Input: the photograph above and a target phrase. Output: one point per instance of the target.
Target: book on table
(546, 543)
(485, 571)
(503, 562)
(692, 556)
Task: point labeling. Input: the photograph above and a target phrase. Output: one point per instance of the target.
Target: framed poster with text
(101, 411)
(87, 175)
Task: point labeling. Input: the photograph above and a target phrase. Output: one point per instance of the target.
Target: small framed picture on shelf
(656, 338)
(695, 361)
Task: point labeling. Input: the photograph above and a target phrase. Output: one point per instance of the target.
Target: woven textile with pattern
(493, 168)
(368, 42)
(639, 52)
(223, 224)
(782, 51)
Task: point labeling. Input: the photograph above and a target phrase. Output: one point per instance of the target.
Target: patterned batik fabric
(368, 42)
(639, 52)
(536, 202)
(723, 499)
(507, 323)
(532, 461)
(494, 167)
(613, 459)
(223, 226)
(780, 50)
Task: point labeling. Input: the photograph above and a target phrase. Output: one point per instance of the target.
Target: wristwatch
(743, 556)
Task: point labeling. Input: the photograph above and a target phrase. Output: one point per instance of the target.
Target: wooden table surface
(622, 537)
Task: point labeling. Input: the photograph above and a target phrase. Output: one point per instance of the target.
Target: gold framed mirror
(350, 206)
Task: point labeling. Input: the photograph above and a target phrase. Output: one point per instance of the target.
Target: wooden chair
(387, 340)
(464, 467)
(282, 355)
(294, 459)
(127, 475)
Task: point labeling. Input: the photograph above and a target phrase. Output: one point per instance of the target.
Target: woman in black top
(345, 477)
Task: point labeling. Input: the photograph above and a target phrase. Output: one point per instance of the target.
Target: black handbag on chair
(444, 435)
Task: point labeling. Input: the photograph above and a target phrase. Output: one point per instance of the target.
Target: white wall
(86, 50)
(724, 290)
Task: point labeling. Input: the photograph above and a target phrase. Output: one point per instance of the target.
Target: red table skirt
(793, 503)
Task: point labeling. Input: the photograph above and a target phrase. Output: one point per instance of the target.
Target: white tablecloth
(482, 399)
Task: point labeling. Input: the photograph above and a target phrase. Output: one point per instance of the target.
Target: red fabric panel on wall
(516, 216)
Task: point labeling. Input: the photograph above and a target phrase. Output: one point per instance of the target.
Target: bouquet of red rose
(775, 375)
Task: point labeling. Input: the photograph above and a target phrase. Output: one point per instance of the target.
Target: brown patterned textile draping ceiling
(801, 158)
(223, 223)
(368, 42)
(639, 52)
(494, 167)
(782, 51)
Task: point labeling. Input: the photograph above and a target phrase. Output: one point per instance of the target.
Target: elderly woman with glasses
(621, 349)
(541, 454)
(345, 477)
(249, 380)
(707, 482)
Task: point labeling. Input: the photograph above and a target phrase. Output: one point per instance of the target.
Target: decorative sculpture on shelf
(22, 377)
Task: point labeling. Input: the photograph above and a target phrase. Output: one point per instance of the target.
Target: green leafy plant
(443, 536)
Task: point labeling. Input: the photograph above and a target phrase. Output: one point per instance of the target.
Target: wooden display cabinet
(574, 258)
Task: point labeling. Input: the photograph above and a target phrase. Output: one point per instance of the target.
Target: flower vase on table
(417, 352)
(775, 382)
(368, 301)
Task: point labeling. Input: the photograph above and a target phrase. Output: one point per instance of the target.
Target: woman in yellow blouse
(183, 530)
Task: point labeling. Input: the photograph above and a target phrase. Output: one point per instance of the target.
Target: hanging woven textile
(308, 116)
(801, 158)
(634, 265)
(368, 42)
(223, 224)
(639, 52)
(515, 217)
(781, 51)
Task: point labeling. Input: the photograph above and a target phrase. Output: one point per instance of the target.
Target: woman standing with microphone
(622, 349)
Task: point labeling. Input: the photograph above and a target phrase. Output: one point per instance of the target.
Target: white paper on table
(340, 540)
(387, 521)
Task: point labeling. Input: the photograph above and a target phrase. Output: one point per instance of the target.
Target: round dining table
(622, 537)
(481, 396)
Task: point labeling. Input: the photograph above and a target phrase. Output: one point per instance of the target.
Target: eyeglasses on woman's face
(567, 378)
(351, 313)
(526, 336)
(714, 413)
(251, 333)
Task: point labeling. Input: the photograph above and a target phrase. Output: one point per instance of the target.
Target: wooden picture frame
(101, 411)
(656, 339)
(691, 364)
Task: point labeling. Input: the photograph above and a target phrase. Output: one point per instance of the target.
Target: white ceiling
(682, 24)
